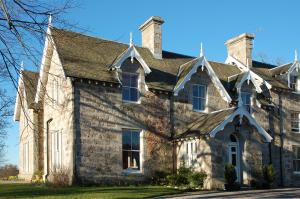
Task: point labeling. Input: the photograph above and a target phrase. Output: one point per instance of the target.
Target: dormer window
(294, 83)
(130, 91)
(295, 122)
(246, 99)
(199, 97)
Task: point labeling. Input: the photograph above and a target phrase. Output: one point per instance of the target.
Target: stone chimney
(152, 35)
(240, 47)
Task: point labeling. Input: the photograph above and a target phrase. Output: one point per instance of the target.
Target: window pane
(126, 140)
(201, 104)
(133, 94)
(233, 149)
(126, 159)
(202, 91)
(133, 80)
(135, 140)
(233, 159)
(135, 162)
(125, 79)
(195, 103)
(195, 91)
(125, 93)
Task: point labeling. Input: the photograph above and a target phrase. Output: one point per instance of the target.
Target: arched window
(233, 138)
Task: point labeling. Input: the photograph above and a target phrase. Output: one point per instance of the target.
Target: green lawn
(42, 191)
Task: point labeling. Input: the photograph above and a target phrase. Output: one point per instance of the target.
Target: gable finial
(296, 56)
(21, 66)
(201, 50)
(50, 20)
(247, 63)
(130, 40)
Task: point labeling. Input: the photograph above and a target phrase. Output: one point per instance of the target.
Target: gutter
(46, 170)
(281, 138)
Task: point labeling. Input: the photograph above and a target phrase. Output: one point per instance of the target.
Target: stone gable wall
(61, 113)
(183, 102)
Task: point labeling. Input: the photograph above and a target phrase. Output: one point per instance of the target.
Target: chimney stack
(240, 47)
(152, 35)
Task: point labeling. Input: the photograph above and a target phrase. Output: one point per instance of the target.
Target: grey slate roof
(205, 123)
(89, 57)
(281, 69)
(266, 71)
(30, 80)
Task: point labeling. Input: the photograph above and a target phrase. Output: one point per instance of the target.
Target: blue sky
(276, 25)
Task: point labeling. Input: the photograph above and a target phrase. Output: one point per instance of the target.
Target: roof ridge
(115, 41)
(91, 36)
(281, 65)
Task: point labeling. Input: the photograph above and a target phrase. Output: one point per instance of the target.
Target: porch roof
(212, 123)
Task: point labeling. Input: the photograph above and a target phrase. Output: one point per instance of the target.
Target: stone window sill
(131, 172)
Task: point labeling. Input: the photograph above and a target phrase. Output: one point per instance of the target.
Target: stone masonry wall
(183, 102)
(100, 117)
(60, 110)
(27, 134)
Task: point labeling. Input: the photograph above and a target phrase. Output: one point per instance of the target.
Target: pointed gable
(187, 70)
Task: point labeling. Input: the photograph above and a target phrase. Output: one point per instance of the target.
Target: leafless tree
(5, 112)
(23, 25)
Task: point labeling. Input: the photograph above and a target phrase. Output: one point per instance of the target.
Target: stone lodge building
(107, 112)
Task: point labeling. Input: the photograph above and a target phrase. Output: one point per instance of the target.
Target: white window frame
(250, 101)
(56, 139)
(200, 98)
(293, 82)
(137, 88)
(295, 158)
(141, 152)
(191, 153)
(26, 157)
(295, 120)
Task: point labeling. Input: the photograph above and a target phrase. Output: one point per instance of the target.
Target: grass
(41, 191)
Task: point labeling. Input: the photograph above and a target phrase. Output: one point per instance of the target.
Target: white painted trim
(248, 75)
(42, 77)
(201, 61)
(239, 64)
(133, 171)
(18, 107)
(241, 112)
(131, 52)
(206, 99)
(295, 66)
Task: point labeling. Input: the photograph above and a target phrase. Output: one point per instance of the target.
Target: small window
(295, 121)
(232, 138)
(246, 99)
(199, 97)
(130, 90)
(296, 158)
(57, 149)
(191, 153)
(26, 157)
(131, 149)
(293, 82)
(55, 90)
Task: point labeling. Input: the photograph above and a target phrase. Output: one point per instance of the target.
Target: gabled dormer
(290, 73)
(194, 79)
(131, 69)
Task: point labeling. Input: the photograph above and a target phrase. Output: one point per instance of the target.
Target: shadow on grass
(36, 191)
